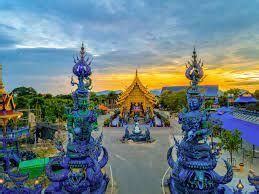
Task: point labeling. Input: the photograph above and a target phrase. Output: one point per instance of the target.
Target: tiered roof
(136, 82)
(246, 97)
(7, 105)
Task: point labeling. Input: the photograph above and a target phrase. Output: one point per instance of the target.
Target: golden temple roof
(2, 89)
(136, 82)
(7, 105)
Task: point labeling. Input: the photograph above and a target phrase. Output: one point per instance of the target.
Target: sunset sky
(38, 39)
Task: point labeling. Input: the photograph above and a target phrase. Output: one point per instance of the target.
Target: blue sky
(39, 38)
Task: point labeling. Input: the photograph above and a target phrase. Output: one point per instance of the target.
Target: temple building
(10, 154)
(244, 100)
(136, 99)
(7, 107)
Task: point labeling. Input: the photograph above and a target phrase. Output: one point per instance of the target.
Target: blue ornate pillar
(193, 172)
(79, 168)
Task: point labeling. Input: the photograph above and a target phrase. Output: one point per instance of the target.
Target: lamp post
(240, 186)
(1, 183)
(37, 186)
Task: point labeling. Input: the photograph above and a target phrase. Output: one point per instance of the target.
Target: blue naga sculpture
(17, 181)
(78, 168)
(193, 172)
(254, 181)
(11, 180)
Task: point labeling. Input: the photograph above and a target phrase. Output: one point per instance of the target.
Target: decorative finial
(194, 56)
(82, 52)
(136, 72)
(194, 71)
(82, 70)
(2, 89)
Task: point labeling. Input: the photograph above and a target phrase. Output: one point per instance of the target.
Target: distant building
(245, 99)
(210, 91)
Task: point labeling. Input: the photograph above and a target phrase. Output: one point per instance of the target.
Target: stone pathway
(139, 168)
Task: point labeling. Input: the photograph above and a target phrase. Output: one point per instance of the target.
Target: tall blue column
(193, 172)
(78, 168)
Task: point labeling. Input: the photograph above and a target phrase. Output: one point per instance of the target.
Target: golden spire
(2, 89)
(136, 72)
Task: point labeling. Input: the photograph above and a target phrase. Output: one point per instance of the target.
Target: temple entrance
(136, 109)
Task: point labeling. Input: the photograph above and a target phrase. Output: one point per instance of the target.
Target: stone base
(137, 140)
(178, 189)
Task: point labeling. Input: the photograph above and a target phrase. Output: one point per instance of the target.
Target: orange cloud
(225, 76)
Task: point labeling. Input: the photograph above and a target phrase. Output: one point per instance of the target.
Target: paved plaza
(139, 168)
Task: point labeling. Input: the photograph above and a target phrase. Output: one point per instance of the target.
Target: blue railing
(24, 131)
(247, 112)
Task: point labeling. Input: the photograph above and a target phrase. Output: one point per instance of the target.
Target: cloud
(250, 53)
(39, 38)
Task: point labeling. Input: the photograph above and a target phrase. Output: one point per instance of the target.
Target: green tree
(208, 103)
(48, 96)
(111, 98)
(173, 101)
(231, 142)
(223, 100)
(49, 111)
(64, 96)
(235, 91)
(224, 97)
(22, 102)
(102, 99)
(256, 94)
(94, 98)
(215, 125)
(52, 108)
(24, 91)
(112, 95)
(37, 100)
(164, 99)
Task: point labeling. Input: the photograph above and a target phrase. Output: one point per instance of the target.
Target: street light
(240, 186)
(2, 184)
(36, 182)
(37, 185)
(1, 181)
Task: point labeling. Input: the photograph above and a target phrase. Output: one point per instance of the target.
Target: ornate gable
(136, 85)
